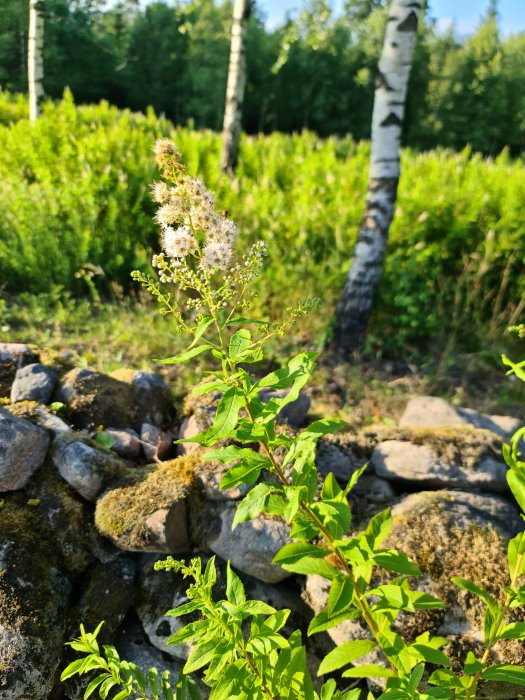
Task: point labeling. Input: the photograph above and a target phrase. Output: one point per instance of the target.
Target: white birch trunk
(231, 132)
(35, 57)
(355, 304)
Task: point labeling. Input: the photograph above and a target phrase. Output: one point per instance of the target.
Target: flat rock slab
(23, 448)
(421, 464)
(433, 411)
(34, 382)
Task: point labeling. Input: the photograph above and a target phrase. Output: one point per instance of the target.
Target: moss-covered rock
(34, 594)
(127, 398)
(146, 511)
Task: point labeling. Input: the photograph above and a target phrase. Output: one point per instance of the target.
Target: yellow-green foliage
(75, 193)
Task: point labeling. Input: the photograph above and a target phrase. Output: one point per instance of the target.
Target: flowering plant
(237, 643)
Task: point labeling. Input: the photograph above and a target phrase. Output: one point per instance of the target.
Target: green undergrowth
(76, 217)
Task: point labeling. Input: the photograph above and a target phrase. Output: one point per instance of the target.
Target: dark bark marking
(409, 24)
(391, 120)
(382, 82)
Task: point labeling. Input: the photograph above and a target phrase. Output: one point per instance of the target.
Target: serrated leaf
(253, 503)
(321, 427)
(516, 482)
(239, 343)
(308, 565)
(428, 653)
(184, 609)
(344, 654)
(472, 664)
(323, 621)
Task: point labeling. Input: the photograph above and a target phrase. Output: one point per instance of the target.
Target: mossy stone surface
(34, 594)
(124, 513)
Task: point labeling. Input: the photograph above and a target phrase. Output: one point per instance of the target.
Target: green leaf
(296, 551)
(479, 591)
(516, 482)
(397, 597)
(323, 621)
(428, 653)
(234, 589)
(379, 528)
(356, 475)
(321, 427)
(396, 561)
(193, 352)
(104, 440)
(368, 671)
(201, 328)
(515, 367)
(308, 565)
(94, 684)
(239, 343)
(184, 609)
(515, 630)
(200, 656)
(253, 503)
(472, 664)
(226, 415)
(71, 670)
(188, 632)
(344, 654)
(340, 595)
(505, 673)
(300, 366)
(515, 548)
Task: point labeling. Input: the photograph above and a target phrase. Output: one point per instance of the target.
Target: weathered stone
(505, 426)
(294, 413)
(448, 533)
(34, 595)
(39, 415)
(96, 399)
(146, 512)
(420, 464)
(252, 546)
(66, 519)
(23, 448)
(209, 475)
(33, 382)
(13, 356)
(330, 458)
(126, 443)
(85, 467)
(188, 429)
(430, 411)
(156, 444)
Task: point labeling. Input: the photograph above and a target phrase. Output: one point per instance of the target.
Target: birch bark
(35, 58)
(231, 132)
(355, 304)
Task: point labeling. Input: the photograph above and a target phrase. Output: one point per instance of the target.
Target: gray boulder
(422, 465)
(157, 445)
(13, 356)
(252, 546)
(33, 382)
(23, 448)
(85, 467)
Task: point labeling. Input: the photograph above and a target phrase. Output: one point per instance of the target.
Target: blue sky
(465, 13)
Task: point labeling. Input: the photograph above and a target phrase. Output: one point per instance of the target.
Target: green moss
(464, 446)
(121, 512)
(430, 536)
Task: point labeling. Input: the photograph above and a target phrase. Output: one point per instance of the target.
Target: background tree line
(174, 57)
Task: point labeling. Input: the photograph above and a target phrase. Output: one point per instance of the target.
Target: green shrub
(75, 193)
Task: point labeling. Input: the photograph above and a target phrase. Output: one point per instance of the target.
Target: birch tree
(231, 131)
(355, 304)
(35, 58)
